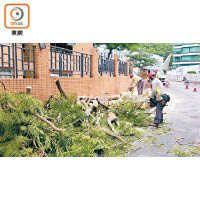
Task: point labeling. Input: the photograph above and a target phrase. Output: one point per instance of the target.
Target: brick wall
(83, 47)
(44, 85)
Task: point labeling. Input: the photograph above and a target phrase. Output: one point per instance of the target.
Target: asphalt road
(183, 116)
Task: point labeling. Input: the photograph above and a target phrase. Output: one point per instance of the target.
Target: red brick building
(79, 67)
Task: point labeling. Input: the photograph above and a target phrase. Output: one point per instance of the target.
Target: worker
(157, 74)
(160, 98)
(138, 81)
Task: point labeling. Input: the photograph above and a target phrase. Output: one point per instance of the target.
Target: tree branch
(4, 87)
(107, 131)
(48, 122)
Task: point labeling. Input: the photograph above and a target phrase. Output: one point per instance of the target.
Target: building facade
(79, 67)
(186, 54)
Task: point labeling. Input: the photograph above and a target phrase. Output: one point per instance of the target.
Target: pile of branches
(68, 126)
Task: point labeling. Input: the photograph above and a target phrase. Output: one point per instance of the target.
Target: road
(183, 116)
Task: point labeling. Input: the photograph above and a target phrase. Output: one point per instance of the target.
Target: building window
(67, 46)
(177, 50)
(176, 59)
(190, 58)
(194, 49)
(186, 50)
(186, 58)
(28, 52)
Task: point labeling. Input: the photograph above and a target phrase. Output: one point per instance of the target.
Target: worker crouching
(138, 81)
(158, 99)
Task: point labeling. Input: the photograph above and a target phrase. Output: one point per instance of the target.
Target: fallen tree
(70, 126)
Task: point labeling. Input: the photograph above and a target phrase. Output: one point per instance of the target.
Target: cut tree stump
(60, 88)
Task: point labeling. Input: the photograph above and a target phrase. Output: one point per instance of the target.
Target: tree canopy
(143, 51)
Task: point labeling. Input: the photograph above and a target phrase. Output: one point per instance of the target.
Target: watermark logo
(17, 16)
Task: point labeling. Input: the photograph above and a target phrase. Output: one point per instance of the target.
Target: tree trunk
(60, 88)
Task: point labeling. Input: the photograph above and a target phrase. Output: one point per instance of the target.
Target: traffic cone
(167, 84)
(195, 89)
(186, 87)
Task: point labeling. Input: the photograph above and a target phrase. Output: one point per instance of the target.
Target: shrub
(191, 72)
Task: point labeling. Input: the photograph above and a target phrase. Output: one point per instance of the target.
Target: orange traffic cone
(167, 84)
(186, 87)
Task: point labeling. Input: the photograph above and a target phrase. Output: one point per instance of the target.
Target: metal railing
(106, 66)
(180, 77)
(17, 60)
(64, 62)
(122, 67)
